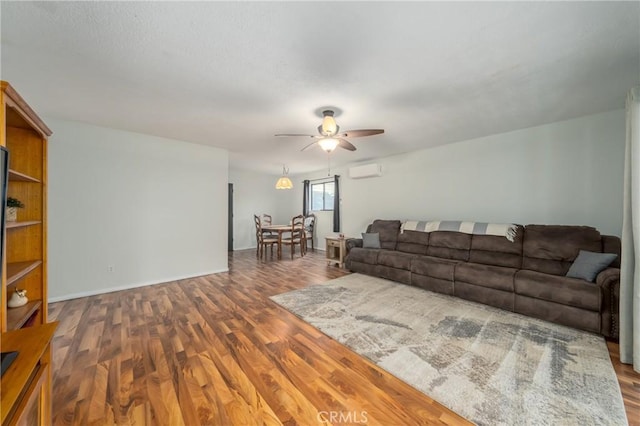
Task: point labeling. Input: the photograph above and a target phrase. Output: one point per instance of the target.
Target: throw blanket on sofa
(477, 228)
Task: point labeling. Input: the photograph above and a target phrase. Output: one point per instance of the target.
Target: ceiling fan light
(284, 182)
(328, 144)
(329, 126)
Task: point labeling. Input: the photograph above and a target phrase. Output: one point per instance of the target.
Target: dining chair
(267, 220)
(297, 236)
(309, 225)
(263, 240)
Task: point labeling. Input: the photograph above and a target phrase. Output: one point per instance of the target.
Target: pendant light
(284, 182)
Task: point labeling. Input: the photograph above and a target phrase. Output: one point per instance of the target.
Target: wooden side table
(336, 250)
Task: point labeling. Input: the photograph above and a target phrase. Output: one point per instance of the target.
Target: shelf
(11, 225)
(21, 177)
(18, 270)
(17, 317)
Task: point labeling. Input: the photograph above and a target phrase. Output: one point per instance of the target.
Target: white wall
(255, 193)
(155, 209)
(567, 172)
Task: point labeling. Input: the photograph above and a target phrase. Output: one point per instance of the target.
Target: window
(322, 196)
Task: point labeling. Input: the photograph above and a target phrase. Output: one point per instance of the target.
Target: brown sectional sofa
(526, 276)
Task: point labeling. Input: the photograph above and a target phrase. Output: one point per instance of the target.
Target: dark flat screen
(7, 358)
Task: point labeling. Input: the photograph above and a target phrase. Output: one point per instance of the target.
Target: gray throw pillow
(371, 240)
(589, 264)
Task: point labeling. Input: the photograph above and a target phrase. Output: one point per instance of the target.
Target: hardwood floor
(629, 382)
(216, 350)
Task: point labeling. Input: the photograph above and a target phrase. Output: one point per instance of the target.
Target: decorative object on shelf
(18, 298)
(284, 182)
(13, 204)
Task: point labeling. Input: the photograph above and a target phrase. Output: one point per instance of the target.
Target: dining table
(280, 229)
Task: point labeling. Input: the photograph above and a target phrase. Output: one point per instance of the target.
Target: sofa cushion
(388, 230)
(371, 240)
(589, 264)
(495, 250)
(557, 313)
(488, 296)
(413, 242)
(434, 267)
(394, 274)
(496, 277)
(552, 248)
(563, 290)
(363, 255)
(436, 285)
(449, 245)
(363, 268)
(395, 259)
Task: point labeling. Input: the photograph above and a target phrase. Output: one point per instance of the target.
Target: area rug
(488, 365)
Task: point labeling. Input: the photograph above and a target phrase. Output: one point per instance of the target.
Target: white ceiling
(232, 74)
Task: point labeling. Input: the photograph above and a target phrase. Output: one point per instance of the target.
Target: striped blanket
(506, 230)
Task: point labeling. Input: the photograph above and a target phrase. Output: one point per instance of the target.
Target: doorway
(230, 218)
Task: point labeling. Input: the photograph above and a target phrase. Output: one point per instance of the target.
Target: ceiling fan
(330, 137)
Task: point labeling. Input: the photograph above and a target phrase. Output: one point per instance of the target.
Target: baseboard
(128, 287)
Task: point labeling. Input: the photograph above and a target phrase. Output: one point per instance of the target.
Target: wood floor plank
(629, 384)
(215, 350)
(97, 408)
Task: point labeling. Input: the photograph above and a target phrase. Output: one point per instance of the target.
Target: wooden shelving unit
(26, 385)
(17, 317)
(25, 394)
(21, 177)
(24, 266)
(11, 225)
(18, 270)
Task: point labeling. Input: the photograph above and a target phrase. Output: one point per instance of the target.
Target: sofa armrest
(351, 243)
(609, 281)
(607, 276)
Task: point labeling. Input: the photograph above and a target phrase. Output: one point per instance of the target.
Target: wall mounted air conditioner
(365, 171)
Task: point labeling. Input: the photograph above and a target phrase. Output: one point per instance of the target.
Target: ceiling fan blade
(346, 145)
(295, 134)
(360, 133)
(309, 146)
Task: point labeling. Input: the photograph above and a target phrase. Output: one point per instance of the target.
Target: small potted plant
(13, 204)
